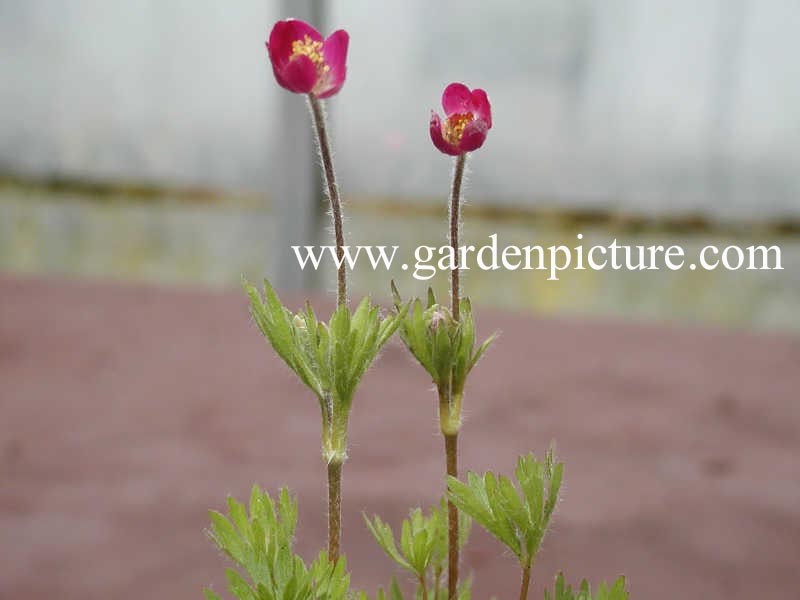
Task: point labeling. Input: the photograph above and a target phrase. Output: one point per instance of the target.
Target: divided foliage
(564, 592)
(259, 541)
(259, 537)
(444, 346)
(329, 358)
(517, 518)
(423, 545)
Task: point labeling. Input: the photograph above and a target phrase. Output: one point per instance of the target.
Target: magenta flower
(468, 118)
(303, 62)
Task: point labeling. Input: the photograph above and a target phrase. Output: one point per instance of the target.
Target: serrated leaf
(518, 521)
(224, 535)
(382, 533)
(555, 487)
(238, 515)
(562, 591)
(275, 571)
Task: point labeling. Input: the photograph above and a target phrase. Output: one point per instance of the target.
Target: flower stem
(451, 439)
(455, 221)
(334, 466)
(526, 580)
(451, 451)
(318, 113)
(424, 585)
(334, 509)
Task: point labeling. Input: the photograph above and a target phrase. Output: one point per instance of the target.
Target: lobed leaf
(562, 591)
(518, 518)
(421, 543)
(259, 540)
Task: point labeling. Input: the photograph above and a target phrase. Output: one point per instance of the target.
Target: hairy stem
(526, 580)
(451, 450)
(455, 221)
(451, 439)
(334, 509)
(323, 143)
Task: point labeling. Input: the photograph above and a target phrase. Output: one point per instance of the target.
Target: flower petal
(438, 139)
(474, 135)
(299, 75)
(481, 107)
(277, 71)
(334, 51)
(456, 98)
(283, 34)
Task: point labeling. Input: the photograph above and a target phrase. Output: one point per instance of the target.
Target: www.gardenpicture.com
(428, 260)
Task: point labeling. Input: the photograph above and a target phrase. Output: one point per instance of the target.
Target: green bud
(445, 347)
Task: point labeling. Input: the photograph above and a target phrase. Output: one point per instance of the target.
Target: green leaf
(330, 359)
(382, 533)
(225, 536)
(618, 591)
(239, 587)
(443, 346)
(239, 516)
(431, 297)
(394, 590)
(465, 589)
(518, 518)
(511, 503)
(562, 591)
(421, 543)
(476, 356)
(261, 543)
(555, 487)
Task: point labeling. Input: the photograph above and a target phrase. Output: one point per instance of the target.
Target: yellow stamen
(311, 49)
(454, 127)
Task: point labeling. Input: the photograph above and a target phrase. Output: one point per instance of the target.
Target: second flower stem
(334, 509)
(451, 439)
(451, 451)
(318, 113)
(455, 222)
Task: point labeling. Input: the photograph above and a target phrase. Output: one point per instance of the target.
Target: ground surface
(128, 411)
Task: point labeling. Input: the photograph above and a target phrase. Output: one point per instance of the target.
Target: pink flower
(468, 118)
(303, 62)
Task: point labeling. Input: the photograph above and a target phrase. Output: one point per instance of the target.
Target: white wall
(646, 105)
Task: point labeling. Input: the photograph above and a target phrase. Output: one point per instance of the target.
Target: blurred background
(148, 160)
(148, 141)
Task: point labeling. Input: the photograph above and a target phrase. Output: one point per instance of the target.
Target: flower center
(311, 49)
(454, 126)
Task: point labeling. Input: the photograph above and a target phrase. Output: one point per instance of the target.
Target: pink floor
(128, 411)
